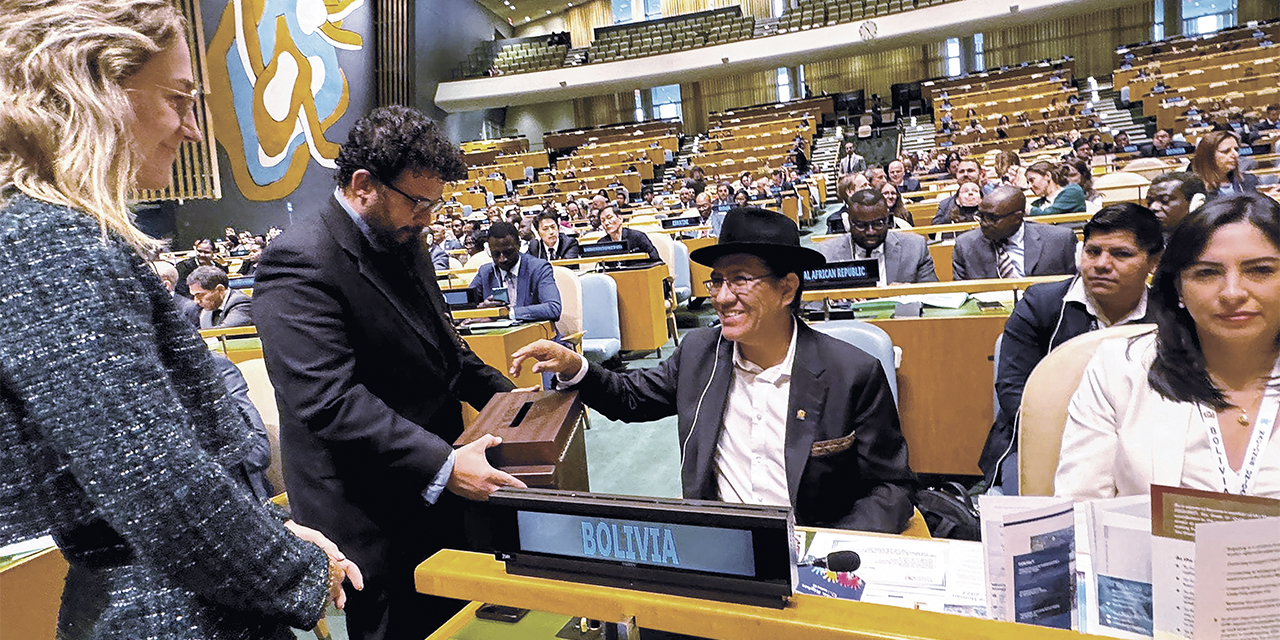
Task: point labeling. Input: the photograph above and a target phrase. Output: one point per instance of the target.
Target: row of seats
(530, 56)
(811, 14)
(654, 37)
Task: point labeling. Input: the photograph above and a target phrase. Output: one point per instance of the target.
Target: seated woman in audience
(1009, 170)
(1079, 174)
(1194, 402)
(893, 198)
(968, 197)
(1217, 162)
(1057, 194)
(741, 198)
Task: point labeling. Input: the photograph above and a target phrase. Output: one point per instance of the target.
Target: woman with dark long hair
(1193, 403)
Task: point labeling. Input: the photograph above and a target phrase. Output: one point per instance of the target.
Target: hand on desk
(340, 568)
(549, 356)
(473, 477)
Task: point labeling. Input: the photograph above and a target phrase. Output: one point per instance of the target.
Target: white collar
(1077, 293)
(775, 373)
(1016, 238)
(515, 269)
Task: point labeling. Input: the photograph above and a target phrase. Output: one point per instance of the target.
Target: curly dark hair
(392, 139)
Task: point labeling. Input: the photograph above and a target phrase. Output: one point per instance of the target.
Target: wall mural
(277, 88)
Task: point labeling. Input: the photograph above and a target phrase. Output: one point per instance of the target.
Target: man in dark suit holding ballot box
(369, 374)
(770, 411)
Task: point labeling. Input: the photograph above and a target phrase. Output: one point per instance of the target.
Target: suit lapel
(892, 255)
(804, 409)
(1031, 247)
(700, 452)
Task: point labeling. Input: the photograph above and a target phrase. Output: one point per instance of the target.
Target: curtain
(875, 72)
(1091, 39)
(584, 18)
(607, 109)
(757, 8)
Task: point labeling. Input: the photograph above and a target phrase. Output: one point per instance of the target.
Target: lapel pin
(800, 414)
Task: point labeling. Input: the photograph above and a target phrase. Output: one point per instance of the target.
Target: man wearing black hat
(770, 411)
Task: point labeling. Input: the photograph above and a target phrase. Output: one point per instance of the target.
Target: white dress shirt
(750, 460)
(876, 254)
(1077, 293)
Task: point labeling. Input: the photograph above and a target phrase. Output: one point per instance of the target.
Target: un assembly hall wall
(278, 122)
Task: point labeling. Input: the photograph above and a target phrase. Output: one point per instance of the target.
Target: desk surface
(958, 286)
(476, 576)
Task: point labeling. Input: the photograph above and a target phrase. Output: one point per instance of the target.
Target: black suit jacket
(1039, 323)
(566, 248)
(368, 378)
(846, 458)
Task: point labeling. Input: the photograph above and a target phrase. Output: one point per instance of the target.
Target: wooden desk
(30, 596)
(642, 309)
(496, 346)
(965, 286)
(486, 312)
(476, 576)
(698, 274)
(945, 388)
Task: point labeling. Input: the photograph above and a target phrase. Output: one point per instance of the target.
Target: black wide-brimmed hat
(768, 235)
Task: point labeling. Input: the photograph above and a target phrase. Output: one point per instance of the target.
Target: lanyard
(1242, 481)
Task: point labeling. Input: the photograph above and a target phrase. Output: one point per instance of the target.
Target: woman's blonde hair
(64, 116)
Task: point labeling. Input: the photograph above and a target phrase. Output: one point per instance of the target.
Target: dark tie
(215, 318)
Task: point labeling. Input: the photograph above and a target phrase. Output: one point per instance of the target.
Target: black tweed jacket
(117, 437)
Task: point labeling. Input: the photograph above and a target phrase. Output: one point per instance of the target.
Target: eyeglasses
(991, 218)
(420, 205)
(737, 284)
(183, 102)
(878, 223)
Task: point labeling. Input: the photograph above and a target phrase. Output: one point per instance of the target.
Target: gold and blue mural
(276, 88)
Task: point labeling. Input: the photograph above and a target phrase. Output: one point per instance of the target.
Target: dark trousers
(390, 609)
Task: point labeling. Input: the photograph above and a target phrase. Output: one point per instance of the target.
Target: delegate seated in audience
(1081, 150)
(876, 177)
(967, 170)
(222, 306)
(204, 257)
(724, 196)
(903, 257)
(1172, 196)
(1122, 244)
(636, 241)
(845, 187)
(249, 265)
(187, 308)
(897, 207)
(439, 257)
(1079, 174)
(968, 197)
(1057, 195)
(1006, 246)
(1162, 144)
(769, 411)
(1217, 163)
(530, 283)
(899, 178)
(1194, 402)
(1271, 120)
(550, 244)
(1008, 167)
(708, 217)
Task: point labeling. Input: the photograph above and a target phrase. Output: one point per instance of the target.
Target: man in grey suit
(1004, 246)
(903, 256)
(851, 162)
(222, 306)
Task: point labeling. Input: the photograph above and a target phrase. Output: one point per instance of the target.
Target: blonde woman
(118, 436)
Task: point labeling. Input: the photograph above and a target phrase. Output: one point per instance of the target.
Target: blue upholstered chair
(603, 338)
(869, 338)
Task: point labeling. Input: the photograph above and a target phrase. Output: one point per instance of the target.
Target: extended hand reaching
(340, 568)
(548, 356)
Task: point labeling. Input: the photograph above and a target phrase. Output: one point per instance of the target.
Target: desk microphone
(838, 561)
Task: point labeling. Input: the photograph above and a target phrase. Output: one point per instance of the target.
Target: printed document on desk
(1029, 545)
(1119, 545)
(1238, 579)
(1175, 514)
(934, 575)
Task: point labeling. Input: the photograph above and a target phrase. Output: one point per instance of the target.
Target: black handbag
(949, 512)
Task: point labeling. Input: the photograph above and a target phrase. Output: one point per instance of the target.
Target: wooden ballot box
(542, 442)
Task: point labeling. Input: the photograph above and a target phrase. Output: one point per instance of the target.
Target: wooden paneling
(757, 8)
(1090, 38)
(392, 20)
(607, 109)
(582, 19)
(875, 72)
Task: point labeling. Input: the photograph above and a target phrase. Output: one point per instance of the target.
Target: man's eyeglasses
(737, 284)
(878, 223)
(991, 218)
(420, 205)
